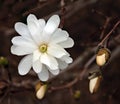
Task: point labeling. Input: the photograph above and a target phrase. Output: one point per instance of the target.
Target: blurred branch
(74, 7)
(85, 66)
(63, 9)
(107, 36)
(77, 78)
(105, 27)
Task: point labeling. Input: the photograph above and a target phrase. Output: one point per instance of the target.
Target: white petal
(62, 64)
(32, 28)
(68, 43)
(35, 28)
(59, 36)
(41, 24)
(25, 65)
(52, 24)
(36, 55)
(22, 29)
(55, 72)
(67, 59)
(31, 17)
(20, 41)
(43, 75)
(37, 66)
(50, 61)
(21, 50)
(56, 51)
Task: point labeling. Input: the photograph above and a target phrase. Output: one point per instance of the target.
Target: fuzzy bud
(77, 94)
(3, 61)
(40, 90)
(94, 84)
(102, 56)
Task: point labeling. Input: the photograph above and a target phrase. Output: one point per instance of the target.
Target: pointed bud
(3, 61)
(94, 84)
(95, 80)
(102, 56)
(77, 94)
(40, 90)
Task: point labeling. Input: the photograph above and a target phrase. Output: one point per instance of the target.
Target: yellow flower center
(43, 48)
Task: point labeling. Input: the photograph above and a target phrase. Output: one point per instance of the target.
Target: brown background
(84, 24)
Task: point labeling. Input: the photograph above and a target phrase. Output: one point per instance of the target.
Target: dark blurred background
(87, 22)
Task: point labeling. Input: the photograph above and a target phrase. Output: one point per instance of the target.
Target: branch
(107, 36)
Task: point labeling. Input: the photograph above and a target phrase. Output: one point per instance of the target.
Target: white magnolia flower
(43, 44)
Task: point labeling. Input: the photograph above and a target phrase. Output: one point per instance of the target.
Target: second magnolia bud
(94, 84)
(95, 80)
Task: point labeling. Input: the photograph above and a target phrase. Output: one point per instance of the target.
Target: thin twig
(9, 98)
(74, 81)
(117, 39)
(62, 4)
(3, 97)
(106, 37)
(9, 75)
(104, 27)
(68, 85)
(90, 61)
(100, 13)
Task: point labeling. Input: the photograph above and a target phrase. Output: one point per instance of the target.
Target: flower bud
(102, 56)
(3, 61)
(77, 94)
(40, 90)
(94, 84)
